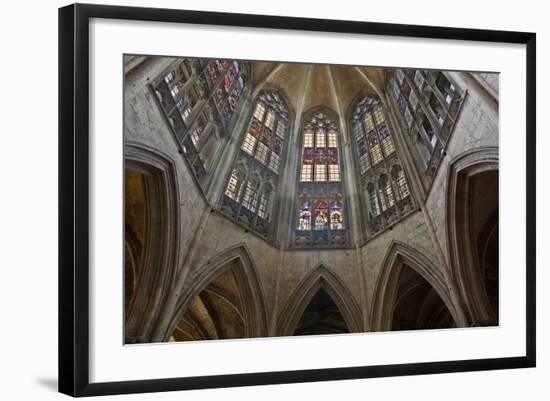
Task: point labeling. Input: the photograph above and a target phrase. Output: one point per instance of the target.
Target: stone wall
(145, 127)
(205, 232)
(477, 126)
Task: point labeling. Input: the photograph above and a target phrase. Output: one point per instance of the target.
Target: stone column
(352, 185)
(286, 193)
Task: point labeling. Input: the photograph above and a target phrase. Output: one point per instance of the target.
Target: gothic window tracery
(199, 98)
(387, 197)
(428, 104)
(320, 211)
(261, 154)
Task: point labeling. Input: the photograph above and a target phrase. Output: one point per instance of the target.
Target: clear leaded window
(428, 104)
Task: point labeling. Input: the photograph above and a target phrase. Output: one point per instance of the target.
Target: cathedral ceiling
(307, 86)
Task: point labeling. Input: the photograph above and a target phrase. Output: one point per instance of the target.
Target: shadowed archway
(418, 305)
(472, 229)
(321, 316)
(151, 237)
(223, 299)
(321, 304)
(411, 293)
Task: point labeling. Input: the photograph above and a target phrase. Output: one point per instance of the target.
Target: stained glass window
(248, 144)
(376, 153)
(385, 187)
(262, 153)
(259, 111)
(398, 176)
(232, 190)
(226, 80)
(274, 162)
(270, 115)
(321, 172)
(428, 104)
(281, 129)
(320, 211)
(336, 220)
(250, 195)
(304, 220)
(372, 135)
(320, 137)
(198, 93)
(305, 174)
(249, 199)
(320, 151)
(262, 207)
(270, 119)
(375, 206)
(334, 172)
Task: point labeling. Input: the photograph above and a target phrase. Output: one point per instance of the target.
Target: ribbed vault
(313, 85)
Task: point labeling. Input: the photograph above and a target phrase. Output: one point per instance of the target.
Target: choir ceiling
(307, 86)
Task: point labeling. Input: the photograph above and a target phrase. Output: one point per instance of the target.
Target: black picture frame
(74, 194)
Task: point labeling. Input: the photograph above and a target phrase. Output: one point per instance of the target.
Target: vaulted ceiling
(311, 85)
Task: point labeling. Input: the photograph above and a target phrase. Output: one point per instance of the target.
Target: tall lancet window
(320, 204)
(427, 103)
(199, 98)
(386, 189)
(254, 178)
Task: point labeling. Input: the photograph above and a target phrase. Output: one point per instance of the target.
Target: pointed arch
(160, 249)
(385, 292)
(320, 277)
(239, 261)
(463, 253)
(320, 109)
(268, 86)
(366, 92)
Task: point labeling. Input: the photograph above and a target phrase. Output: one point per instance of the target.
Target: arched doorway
(418, 305)
(472, 224)
(321, 316)
(320, 304)
(223, 299)
(215, 313)
(411, 293)
(151, 235)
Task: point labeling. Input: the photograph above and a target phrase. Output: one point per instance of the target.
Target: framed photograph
(251, 199)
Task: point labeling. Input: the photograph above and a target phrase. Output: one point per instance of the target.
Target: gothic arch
(268, 86)
(320, 109)
(248, 283)
(320, 277)
(385, 292)
(464, 261)
(357, 98)
(161, 238)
